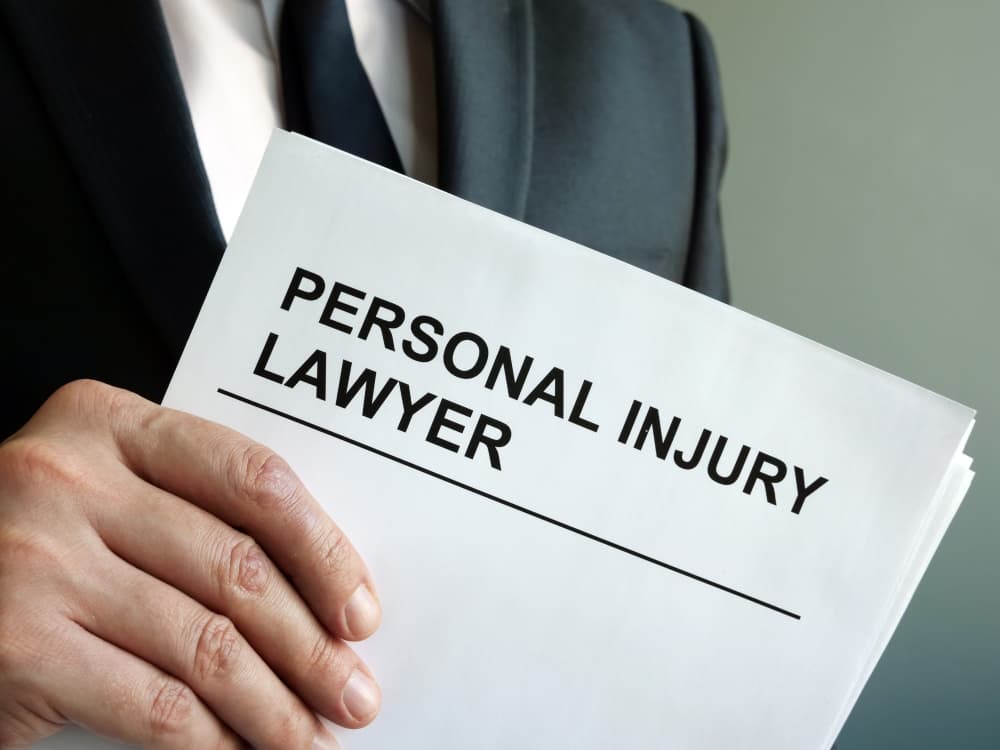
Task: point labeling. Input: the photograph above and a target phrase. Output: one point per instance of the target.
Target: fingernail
(362, 613)
(324, 740)
(361, 696)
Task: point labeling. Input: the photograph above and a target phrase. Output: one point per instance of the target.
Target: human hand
(168, 582)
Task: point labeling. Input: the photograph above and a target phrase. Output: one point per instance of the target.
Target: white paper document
(601, 510)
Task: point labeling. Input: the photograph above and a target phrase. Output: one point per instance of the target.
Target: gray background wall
(861, 206)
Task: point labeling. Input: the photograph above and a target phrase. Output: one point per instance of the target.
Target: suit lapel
(107, 75)
(485, 86)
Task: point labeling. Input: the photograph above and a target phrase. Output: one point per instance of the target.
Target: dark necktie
(327, 93)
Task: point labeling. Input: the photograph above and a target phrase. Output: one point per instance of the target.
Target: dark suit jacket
(598, 120)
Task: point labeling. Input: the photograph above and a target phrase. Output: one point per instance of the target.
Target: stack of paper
(602, 511)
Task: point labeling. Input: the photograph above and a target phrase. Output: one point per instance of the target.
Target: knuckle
(246, 569)
(155, 420)
(171, 707)
(78, 391)
(266, 479)
(327, 659)
(29, 461)
(334, 553)
(217, 647)
(95, 406)
(117, 403)
(85, 396)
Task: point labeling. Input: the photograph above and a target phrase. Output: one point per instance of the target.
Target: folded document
(601, 510)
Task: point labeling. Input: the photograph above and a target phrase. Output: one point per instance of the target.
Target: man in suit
(164, 580)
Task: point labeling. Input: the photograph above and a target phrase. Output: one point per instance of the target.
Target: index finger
(250, 487)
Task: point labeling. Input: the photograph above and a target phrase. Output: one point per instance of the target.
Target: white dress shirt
(226, 53)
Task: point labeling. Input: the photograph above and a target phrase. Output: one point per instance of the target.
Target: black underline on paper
(511, 505)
